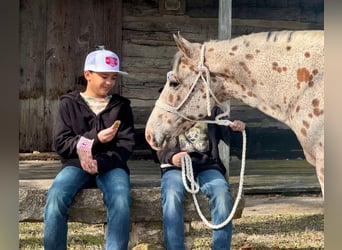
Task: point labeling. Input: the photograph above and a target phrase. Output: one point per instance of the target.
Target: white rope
(187, 171)
(187, 175)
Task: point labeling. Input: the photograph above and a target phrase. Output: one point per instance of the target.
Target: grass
(80, 236)
(275, 232)
(250, 232)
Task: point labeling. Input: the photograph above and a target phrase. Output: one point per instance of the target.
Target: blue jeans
(214, 185)
(115, 186)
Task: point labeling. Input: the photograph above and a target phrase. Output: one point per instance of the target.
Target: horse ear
(189, 50)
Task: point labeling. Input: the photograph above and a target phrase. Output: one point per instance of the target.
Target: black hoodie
(76, 119)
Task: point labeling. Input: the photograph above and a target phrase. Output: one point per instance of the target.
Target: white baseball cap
(103, 61)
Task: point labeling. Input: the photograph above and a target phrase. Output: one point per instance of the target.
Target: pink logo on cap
(112, 61)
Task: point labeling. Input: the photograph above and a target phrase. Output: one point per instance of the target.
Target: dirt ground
(278, 204)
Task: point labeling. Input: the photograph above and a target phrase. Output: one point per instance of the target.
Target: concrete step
(287, 177)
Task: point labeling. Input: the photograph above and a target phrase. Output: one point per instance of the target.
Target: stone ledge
(88, 206)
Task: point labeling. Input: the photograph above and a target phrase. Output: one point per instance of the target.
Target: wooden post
(113, 34)
(224, 32)
(225, 19)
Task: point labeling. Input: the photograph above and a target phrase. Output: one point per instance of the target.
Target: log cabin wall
(57, 34)
(148, 46)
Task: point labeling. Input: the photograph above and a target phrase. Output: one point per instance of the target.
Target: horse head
(186, 97)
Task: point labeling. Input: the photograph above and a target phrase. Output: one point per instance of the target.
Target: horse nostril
(151, 140)
(148, 136)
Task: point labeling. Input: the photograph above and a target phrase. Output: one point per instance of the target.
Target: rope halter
(204, 74)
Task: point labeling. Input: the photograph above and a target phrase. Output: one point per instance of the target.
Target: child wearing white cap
(94, 152)
(103, 61)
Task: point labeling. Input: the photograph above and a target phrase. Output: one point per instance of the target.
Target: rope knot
(201, 67)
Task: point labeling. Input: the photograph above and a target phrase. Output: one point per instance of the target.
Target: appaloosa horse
(279, 73)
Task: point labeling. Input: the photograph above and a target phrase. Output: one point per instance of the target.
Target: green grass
(272, 232)
(252, 232)
(80, 236)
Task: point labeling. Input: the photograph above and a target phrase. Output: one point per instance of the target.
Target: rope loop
(188, 176)
(187, 171)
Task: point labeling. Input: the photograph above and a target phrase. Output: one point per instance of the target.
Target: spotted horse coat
(279, 73)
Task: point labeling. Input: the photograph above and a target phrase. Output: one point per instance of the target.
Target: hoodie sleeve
(70, 126)
(165, 156)
(65, 139)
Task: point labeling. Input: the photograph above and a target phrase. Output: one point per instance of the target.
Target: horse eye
(173, 84)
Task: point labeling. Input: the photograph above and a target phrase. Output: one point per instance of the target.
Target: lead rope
(188, 176)
(187, 171)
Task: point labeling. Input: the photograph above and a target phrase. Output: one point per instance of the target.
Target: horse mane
(284, 35)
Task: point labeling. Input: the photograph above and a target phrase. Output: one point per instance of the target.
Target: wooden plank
(196, 29)
(32, 75)
(31, 123)
(112, 26)
(32, 51)
(265, 24)
(75, 28)
(59, 78)
(250, 12)
(37, 118)
(136, 50)
(142, 63)
(66, 51)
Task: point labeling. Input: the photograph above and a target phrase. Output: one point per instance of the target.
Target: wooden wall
(148, 50)
(148, 46)
(56, 35)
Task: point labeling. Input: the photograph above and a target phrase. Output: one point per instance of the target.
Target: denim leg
(215, 187)
(115, 186)
(173, 194)
(59, 197)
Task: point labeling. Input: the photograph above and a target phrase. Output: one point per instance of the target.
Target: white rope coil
(188, 176)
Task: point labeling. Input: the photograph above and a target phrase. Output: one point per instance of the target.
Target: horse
(279, 73)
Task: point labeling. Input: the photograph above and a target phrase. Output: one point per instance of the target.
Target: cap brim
(122, 72)
(113, 71)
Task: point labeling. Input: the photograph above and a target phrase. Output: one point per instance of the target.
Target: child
(200, 143)
(93, 151)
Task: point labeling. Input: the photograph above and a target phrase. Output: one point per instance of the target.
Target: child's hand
(238, 125)
(89, 165)
(176, 158)
(106, 135)
(83, 147)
